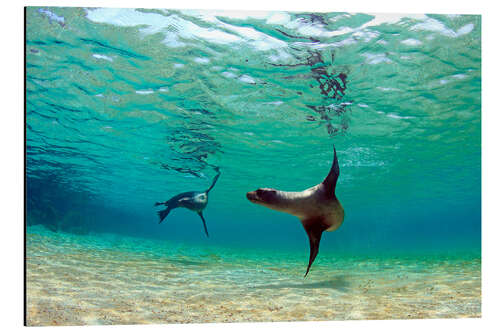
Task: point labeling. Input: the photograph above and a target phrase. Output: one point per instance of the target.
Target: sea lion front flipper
(330, 182)
(314, 228)
(204, 223)
(214, 181)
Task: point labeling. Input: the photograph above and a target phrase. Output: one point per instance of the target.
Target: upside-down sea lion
(195, 201)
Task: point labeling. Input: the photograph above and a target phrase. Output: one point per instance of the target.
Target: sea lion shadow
(338, 283)
(186, 262)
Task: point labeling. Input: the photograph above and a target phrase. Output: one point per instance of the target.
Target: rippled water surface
(126, 107)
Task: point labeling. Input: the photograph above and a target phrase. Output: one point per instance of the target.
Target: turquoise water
(127, 107)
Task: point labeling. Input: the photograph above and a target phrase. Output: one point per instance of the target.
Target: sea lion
(317, 207)
(195, 201)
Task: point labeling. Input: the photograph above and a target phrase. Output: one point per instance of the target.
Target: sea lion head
(268, 197)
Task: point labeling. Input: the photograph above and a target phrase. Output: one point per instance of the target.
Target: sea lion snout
(252, 196)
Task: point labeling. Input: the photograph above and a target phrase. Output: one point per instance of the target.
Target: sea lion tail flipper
(204, 223)
(314, 229)
(214, 181)
(330, 182)
(159, 203)
(163, 213)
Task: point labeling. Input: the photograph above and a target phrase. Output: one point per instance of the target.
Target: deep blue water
(128, 107)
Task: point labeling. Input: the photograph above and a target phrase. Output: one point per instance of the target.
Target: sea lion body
(194, 200)
(317, 207)
(312, 202)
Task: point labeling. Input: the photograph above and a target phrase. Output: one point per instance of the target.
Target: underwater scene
(206, 166)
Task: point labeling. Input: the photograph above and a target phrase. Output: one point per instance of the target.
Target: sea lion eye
(259, 192)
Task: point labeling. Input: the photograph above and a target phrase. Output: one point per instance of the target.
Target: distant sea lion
(317, 207)
(195, 201)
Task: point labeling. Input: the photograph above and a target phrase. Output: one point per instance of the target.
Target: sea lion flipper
(163, 213)
(314, 229)
(204, 223)
(330, 182)
(214, 181)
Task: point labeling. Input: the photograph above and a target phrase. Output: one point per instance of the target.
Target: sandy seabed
(94, 280)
